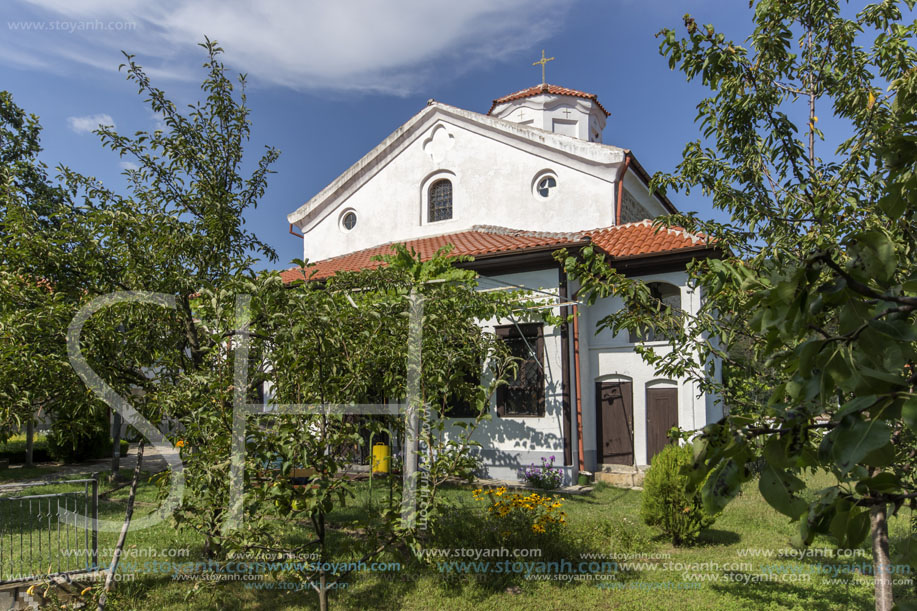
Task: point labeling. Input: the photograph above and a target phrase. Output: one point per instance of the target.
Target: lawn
(729, 560)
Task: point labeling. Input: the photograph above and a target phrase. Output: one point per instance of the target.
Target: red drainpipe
(298, 235)
(620, 181)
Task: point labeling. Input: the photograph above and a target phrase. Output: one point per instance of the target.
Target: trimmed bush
(666, 505)
(78, 444)
(14, 449)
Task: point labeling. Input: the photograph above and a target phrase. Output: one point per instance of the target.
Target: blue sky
(328, 81)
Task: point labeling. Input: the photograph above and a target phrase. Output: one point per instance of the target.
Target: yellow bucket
(382, 458)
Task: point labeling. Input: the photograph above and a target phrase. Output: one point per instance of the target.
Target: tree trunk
(116, 446)
(129, 513)
(318, 523)
(880, 558)
(322, 592)
(29, 443)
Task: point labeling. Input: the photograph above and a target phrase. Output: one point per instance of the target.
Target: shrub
(14, 449)
(546, 477)
(666, 505)
(84, 442)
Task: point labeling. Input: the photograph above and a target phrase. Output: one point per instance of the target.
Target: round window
(349, 220)
(545, 186)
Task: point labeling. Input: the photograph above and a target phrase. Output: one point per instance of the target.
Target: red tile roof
(642, 238)
(553, 90)
(630, 240)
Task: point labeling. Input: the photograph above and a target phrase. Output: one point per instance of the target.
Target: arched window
(668, 297)
(440, 202)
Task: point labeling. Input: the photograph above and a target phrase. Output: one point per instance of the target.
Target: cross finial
(542, 61)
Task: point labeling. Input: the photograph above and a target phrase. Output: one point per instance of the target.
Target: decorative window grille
(440, 205)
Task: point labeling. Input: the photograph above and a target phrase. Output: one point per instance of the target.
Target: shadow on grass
(715, 536)
(766, 594)
(509, 559)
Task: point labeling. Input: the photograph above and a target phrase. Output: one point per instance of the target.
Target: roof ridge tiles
(498, 230)
(542, 88)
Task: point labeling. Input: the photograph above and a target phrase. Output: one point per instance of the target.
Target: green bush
(14, 449)
(78, 444)
(666, 505)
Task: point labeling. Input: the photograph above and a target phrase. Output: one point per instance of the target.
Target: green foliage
(667, 504)
(80, 439)
(342, 340)
(14, 449)
(817, 283)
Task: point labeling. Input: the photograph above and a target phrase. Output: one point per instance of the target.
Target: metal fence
(48, 534)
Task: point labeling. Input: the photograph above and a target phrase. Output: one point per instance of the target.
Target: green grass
(16, 473)
(605, 521)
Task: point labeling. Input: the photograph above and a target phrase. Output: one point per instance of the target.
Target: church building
(509, 188)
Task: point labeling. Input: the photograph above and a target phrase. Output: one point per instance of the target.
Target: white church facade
(509, 188)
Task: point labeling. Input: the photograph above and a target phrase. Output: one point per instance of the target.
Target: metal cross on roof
(543, 61)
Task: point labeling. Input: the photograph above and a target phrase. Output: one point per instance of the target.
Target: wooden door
(661, 416)
(614, 412)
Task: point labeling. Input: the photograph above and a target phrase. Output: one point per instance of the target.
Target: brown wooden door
(661, 416)
(615, 422)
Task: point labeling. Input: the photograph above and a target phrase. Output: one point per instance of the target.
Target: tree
(343, 340)
(179, 231)
(818, 282)
(38, 294)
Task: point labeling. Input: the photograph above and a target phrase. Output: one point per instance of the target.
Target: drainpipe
(298, 235)
(620, 181)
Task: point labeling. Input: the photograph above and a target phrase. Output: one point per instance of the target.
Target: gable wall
(645, 204)
(492, 185)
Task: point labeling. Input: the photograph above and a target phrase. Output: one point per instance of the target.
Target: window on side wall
(523, 395)
(668, 298)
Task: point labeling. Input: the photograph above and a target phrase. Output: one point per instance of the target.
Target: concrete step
(622, 476)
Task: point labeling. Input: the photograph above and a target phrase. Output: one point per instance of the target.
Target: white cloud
(128, 165)
(84, 125)
(358, 45)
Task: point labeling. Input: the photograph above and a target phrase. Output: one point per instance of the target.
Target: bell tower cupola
(554, 109)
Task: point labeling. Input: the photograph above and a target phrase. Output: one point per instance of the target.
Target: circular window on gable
(348, 220)
(545, 185)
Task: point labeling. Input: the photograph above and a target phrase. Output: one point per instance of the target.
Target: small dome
(555, 109)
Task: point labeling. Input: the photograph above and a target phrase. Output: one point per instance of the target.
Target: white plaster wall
(569, 115)
(608, 356)
(509, 443)
(492, 185)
